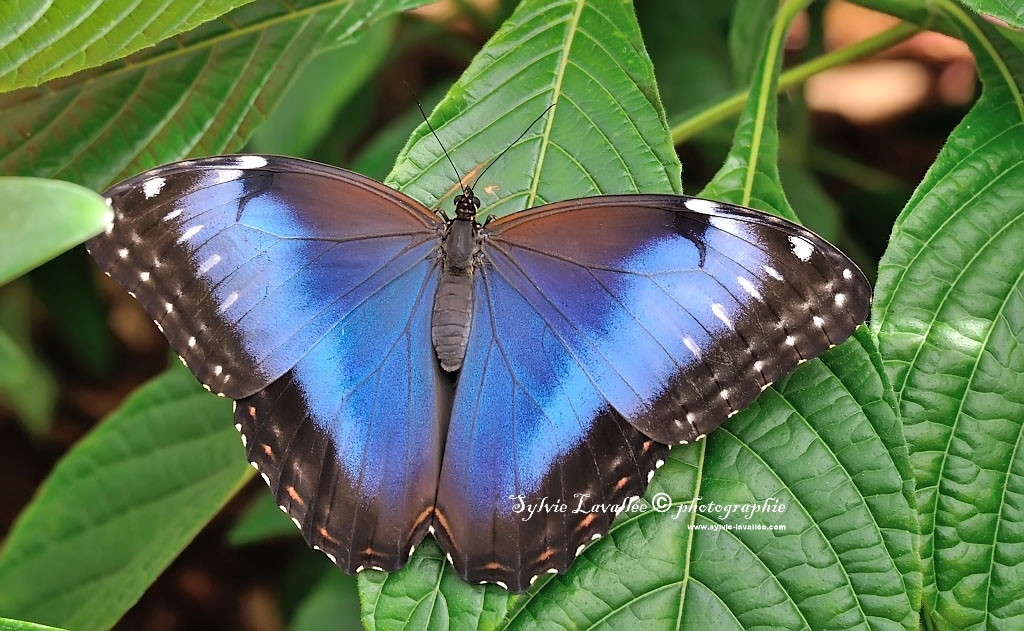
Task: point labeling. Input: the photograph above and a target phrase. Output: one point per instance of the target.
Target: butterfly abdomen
(453, 306)
(453, 303)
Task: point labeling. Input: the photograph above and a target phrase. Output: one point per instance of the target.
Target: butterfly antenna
(431, 127)
(513, 144)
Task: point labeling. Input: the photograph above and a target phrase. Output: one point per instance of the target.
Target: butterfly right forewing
(680, 309)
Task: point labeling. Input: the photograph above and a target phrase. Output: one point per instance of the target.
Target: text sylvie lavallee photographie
(660, 502)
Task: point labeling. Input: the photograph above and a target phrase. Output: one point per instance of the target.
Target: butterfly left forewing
(244, 260)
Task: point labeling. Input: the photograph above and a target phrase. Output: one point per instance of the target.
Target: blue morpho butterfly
(397, 372)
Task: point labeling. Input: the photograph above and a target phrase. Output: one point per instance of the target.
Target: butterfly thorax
(453, 302)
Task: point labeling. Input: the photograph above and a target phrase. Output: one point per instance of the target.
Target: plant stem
(732, 105)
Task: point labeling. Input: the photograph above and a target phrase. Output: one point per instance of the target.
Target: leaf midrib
(254, 28)
(556, 92)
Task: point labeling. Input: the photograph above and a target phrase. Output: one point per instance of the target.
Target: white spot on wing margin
(802, 248)
(699, 205)
(250, 162)
(152, 187)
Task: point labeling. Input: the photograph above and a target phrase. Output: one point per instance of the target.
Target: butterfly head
(467, 204)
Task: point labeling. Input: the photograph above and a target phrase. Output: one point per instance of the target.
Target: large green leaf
(200, 93)
(1008, 11)
(826, 442)
(427, 594)
(28, 387)
(42, 218)
(949, 315)
(18, 625)
(310, 105)
(748, 30)
(604, 135)
(44, 39)
(13, 362)
(121, 505)
(750, 175)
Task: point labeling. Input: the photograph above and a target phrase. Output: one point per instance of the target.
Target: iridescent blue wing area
(304, 292)
(349, 440)
(601, 324)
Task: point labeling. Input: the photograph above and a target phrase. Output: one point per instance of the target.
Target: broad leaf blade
(1008, 11)
(749, 28)
(750, 175)
(6, 624)
(311, 104)
(427, 594)
(31, 392)
(40, 40)
(121, 505)
(202, 93)
(606, 133)
(43, 218)
(948, 313)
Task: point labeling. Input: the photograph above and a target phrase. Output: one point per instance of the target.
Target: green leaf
(13, 363)
(32, 390)
(750, 174)
(748, 30)
(121, 505)
(7, 624)
(427, 594)
(201, 93)
(41, 40)
(949, 313)
(42, 218)
(262, 520)
(332, 603)
(1008, 11)
(604, 135)
(310, 105)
